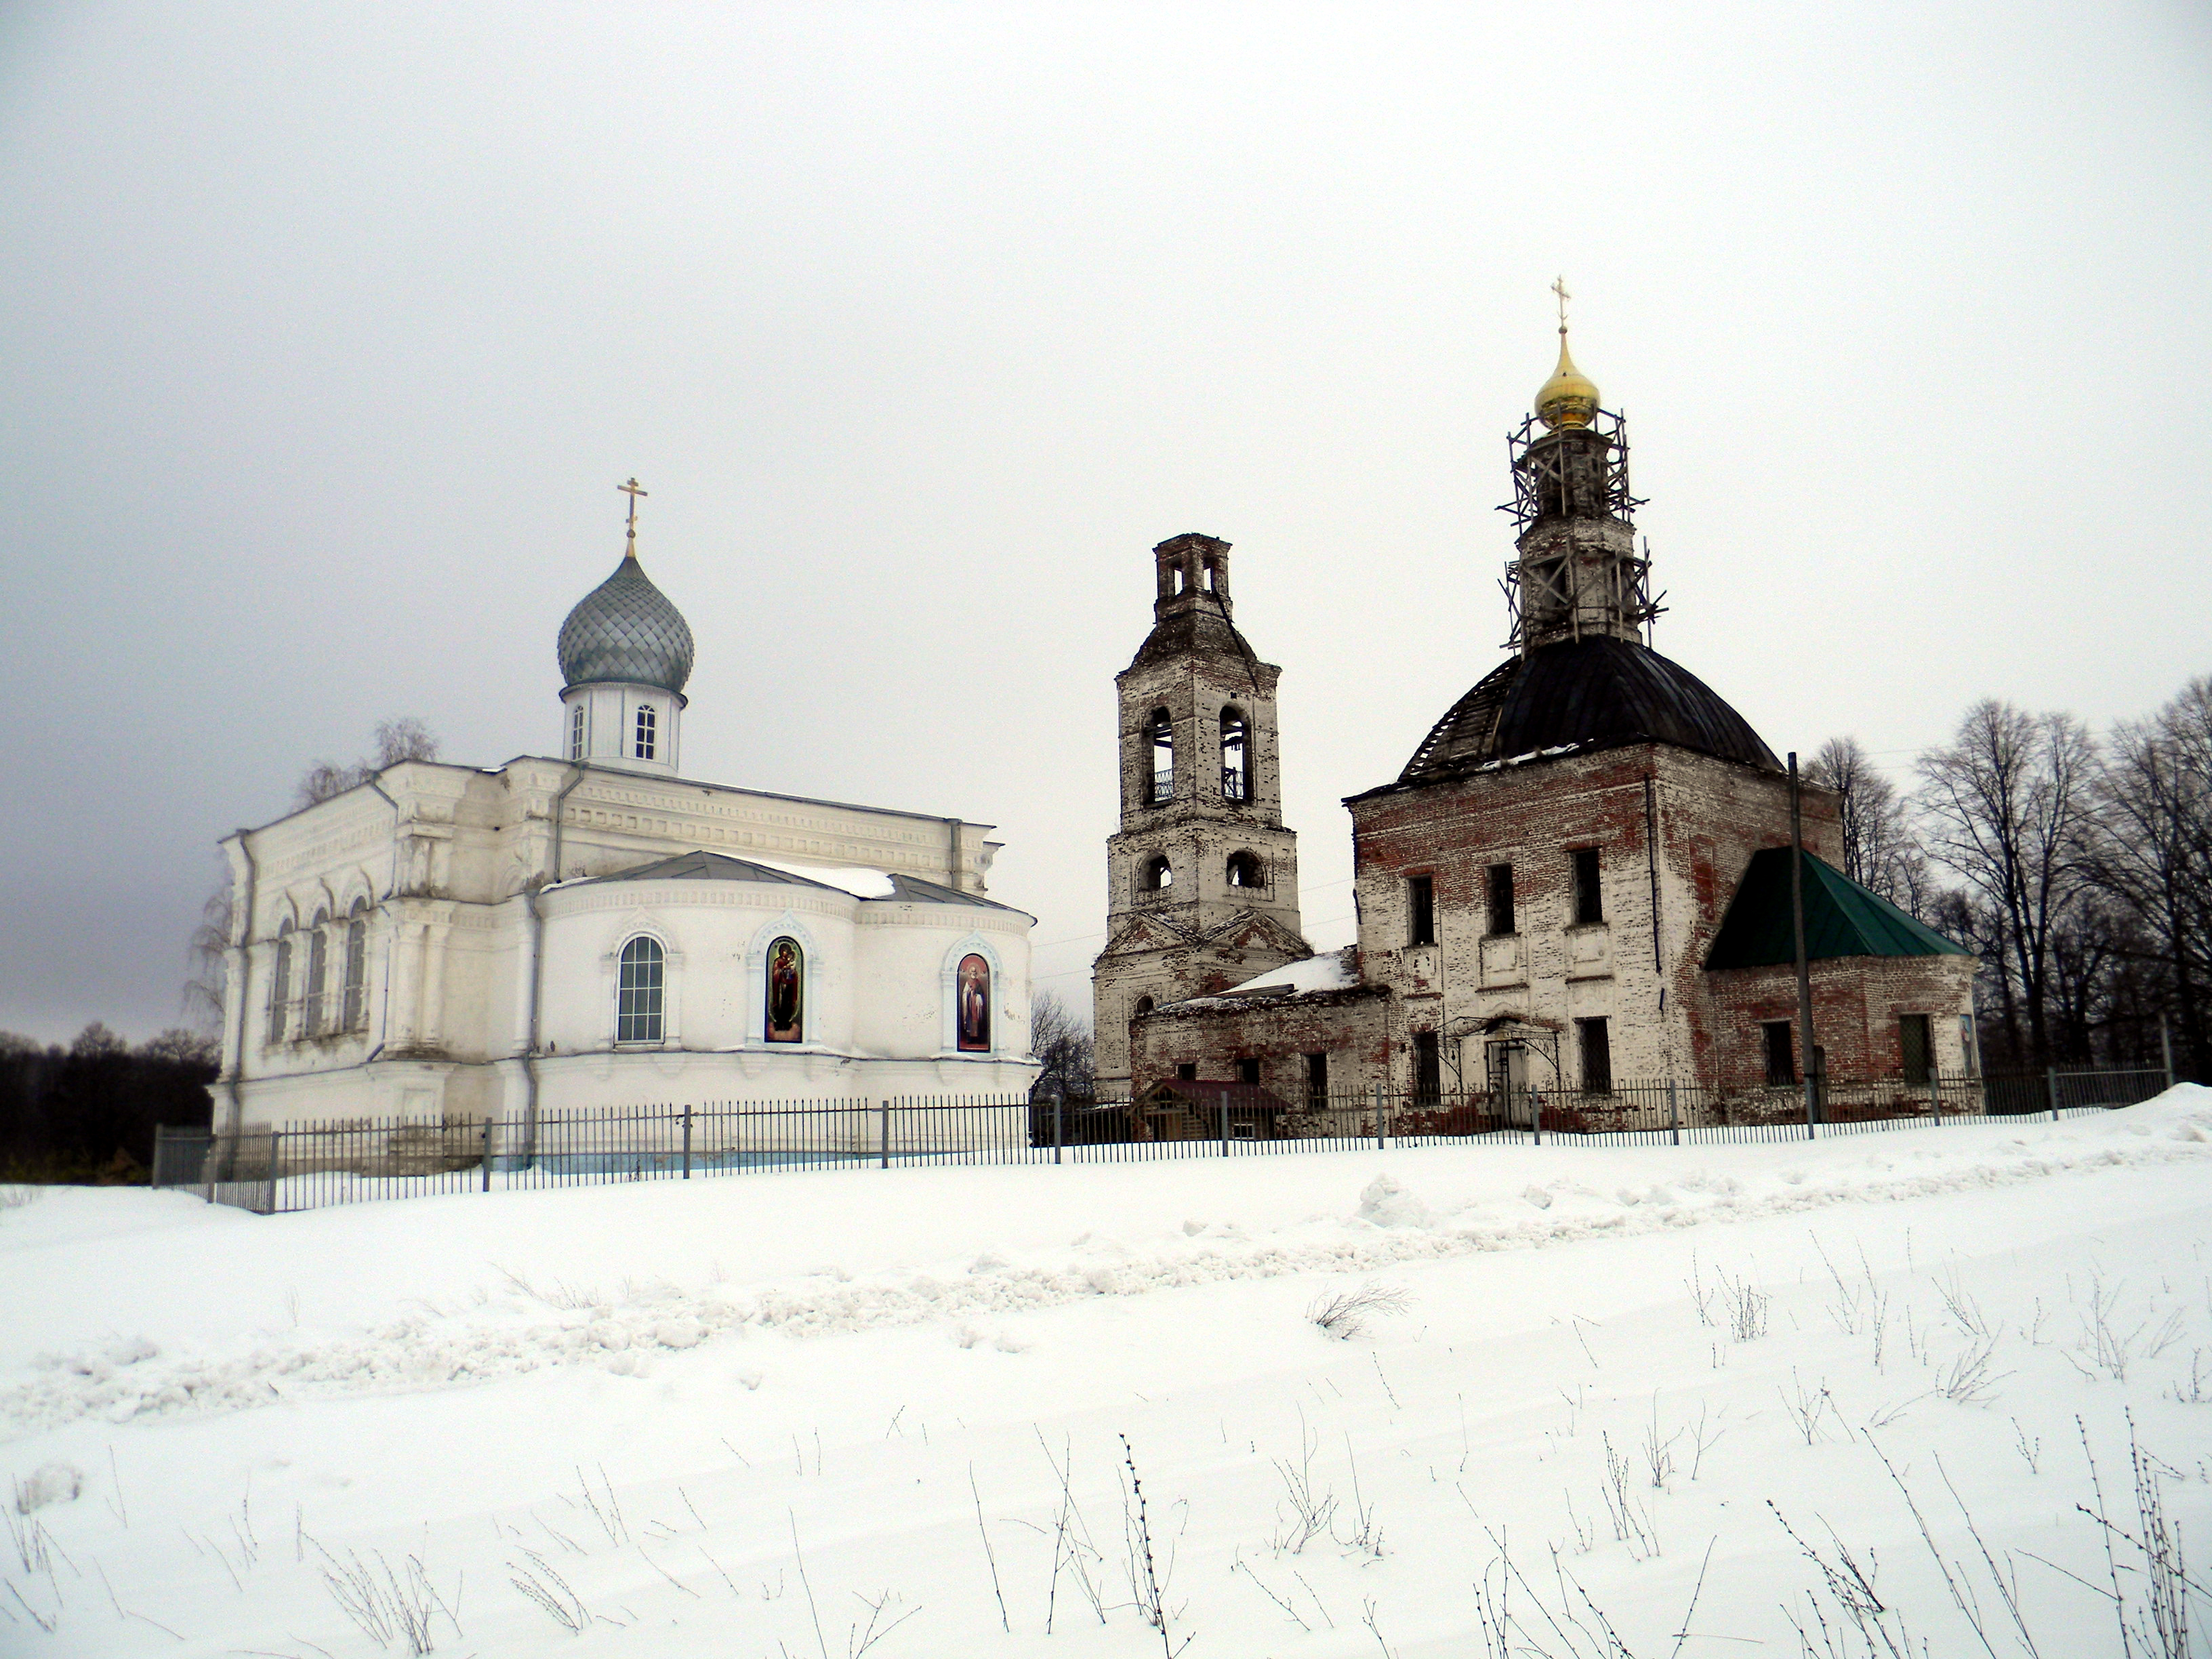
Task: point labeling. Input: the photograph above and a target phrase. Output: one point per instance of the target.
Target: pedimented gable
(1147, 933)
(1257, 933)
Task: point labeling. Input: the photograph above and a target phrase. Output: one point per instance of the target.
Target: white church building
(445, 942)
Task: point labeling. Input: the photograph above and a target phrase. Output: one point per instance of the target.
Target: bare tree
(96, 1041)
(2153, 851)
(179, 1043)
(406, 739)
(1060, 1039)
(2008, 804)
(205, 952)
(1879, 851)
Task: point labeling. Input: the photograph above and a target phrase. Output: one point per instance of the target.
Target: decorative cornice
(695, 895)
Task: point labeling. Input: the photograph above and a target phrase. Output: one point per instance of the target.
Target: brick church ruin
(1581, 875)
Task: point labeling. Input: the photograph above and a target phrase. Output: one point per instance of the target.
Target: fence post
(1674, 1112)
(276, 1149)
(1378, 1117)
(884, 1157)
(1935, 1095)
(1536, 1116)
(2051, 1083)
(1059, 1133)
(1224, 1122)
(687, 1143)
(487, 1152)
(2166, 1049)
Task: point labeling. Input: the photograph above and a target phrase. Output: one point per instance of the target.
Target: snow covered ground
(756, 1415)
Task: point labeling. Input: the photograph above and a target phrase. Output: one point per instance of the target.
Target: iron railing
(312, 1166)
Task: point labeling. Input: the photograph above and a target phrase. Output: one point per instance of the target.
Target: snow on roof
(1332, 970)
(861, 881)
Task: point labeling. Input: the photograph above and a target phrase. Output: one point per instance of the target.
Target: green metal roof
(1842, 919)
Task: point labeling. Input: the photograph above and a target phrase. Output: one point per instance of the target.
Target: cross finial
(633, 491)
(1560, 288)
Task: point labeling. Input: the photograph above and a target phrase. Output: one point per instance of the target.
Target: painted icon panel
(972, 993)
(787, 992)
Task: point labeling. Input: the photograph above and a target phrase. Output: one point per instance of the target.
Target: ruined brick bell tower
(1202, 878)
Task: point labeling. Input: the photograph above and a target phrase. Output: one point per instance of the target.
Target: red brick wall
(1857, 1001)
(1351, 1027)
(1710, 816)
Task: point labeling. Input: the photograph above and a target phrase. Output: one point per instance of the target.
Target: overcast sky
(328, 332)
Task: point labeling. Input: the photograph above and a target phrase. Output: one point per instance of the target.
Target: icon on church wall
(972, 995)
(786, 977)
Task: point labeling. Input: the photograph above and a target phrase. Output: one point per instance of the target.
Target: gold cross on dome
(633, 491)
(1558, 288)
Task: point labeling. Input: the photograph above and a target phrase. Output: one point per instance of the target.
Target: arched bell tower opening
(1202, 873)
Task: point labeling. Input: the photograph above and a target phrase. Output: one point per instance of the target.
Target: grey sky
(328, 332)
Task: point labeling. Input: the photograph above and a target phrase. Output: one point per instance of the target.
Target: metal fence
(271, 1170)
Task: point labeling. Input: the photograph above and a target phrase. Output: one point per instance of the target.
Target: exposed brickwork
(1627, 828)
(1856, 1005)
(1202, 932)
(1352, 1028)
(1664, 822)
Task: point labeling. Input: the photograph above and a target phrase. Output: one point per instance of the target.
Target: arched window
(785, 1017)
(576, 732)
(1236, 780)
(972, 993)
(280, 985)
(648, 724)
(355, 1014)
(1160, 732)
(1246, 870)
(1158, 874)
(1144, 1006)
(638, 1009)
(318, 971)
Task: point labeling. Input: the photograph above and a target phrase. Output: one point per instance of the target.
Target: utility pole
(1797, 931)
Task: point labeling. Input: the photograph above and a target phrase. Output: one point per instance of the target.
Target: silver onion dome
(626, 629)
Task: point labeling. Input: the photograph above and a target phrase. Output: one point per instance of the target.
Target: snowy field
(898, 1412)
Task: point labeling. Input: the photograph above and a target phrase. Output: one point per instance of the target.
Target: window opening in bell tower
(1161, 729)
(1236, 784)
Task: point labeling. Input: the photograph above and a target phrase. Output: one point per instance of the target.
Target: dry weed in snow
(1344, 1314)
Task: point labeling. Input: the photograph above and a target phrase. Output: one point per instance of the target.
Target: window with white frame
(648, 723)
(638, 1007)
(280, 985)
(352, 1016)
(318, 971)
(576, 732)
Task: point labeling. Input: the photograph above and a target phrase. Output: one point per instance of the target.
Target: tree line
(2076, 867)
(88, 1111)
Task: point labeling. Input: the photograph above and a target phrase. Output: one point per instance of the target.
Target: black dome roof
(1581, 695)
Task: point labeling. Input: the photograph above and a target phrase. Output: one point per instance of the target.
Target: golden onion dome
(1568, 399)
